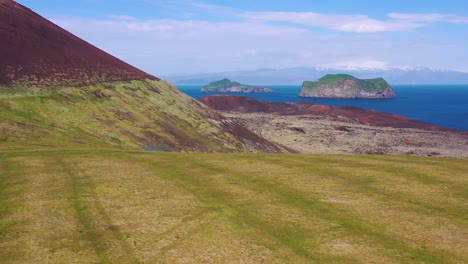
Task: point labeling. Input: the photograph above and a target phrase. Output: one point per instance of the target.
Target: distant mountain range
(297, 75)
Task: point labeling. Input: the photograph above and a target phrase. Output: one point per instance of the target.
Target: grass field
(88, 206)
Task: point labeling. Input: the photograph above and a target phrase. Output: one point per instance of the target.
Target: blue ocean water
(444, 105)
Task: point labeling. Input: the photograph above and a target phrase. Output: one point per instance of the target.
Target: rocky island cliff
(226, 85)
(347, 86)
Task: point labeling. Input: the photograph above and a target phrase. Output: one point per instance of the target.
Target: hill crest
(36, 52)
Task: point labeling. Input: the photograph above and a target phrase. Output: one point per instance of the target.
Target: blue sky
(165, 37)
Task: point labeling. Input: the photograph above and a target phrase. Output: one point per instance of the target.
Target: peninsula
(226, 85)
(347, 86)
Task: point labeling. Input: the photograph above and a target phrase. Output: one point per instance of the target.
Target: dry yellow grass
(129, 207)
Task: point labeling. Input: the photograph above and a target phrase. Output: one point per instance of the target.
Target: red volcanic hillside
(36, 52)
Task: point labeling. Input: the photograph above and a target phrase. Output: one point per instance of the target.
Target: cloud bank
(250, 40)
(356, 23)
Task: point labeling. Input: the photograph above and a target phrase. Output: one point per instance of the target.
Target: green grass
(127, 115)
(108, 206)
(329, 78)
(373, 85)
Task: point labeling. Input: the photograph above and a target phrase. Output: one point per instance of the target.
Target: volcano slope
(56, 90)
(36, 52)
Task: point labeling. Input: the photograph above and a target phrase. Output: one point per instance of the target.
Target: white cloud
(170, 46)
(359, 64)
(177, 28)
(347, 23)
(123, 18)
(356, 23)
(430, 18)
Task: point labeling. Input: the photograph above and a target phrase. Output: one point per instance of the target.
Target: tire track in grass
(454, 212)
(454, 164)
(405, 168)
(189, 174)
(98, 227)
(10, 201)
(339, 172)
(366, 187)
(294, 197)
(379, 165)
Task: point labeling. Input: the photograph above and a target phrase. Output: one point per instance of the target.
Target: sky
(171, 37)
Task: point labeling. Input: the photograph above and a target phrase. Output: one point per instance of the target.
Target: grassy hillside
(329, 78)
(129, 207)
(372, 85)
(151, 115)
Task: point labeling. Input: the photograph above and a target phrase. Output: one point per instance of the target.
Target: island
(226, 85)
(347, 86)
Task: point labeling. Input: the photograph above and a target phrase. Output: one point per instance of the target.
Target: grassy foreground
(104, 206)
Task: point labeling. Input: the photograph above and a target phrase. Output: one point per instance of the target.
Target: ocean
(443, 105)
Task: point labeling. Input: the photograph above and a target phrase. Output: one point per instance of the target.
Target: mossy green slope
(147, 114)
(101, 206)
(329, 78)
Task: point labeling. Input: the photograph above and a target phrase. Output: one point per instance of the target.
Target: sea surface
(443, 105)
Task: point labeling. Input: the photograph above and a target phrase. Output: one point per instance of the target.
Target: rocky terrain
(347, 86)
(226, 85)
(308, 128)
(320, 134)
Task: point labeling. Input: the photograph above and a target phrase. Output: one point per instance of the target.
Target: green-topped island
(228, 86)
(347, 86)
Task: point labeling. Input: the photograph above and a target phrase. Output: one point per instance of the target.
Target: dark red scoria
(36, 52)
(368, 117)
